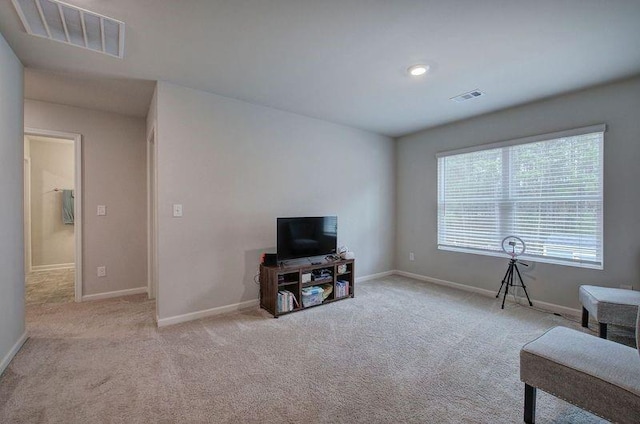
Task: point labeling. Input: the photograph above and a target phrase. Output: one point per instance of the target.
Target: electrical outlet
(102, 210)
(102, 271)
(412, 257)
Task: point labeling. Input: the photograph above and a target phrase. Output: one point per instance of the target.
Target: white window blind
(546, 190)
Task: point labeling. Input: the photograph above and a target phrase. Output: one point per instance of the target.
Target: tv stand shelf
(289, 277)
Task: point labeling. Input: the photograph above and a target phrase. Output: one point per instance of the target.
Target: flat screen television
(306, 237)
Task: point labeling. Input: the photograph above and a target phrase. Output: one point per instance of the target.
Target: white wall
(236, 167)
(615, 105)
(11, 192)
(114, 174)
(52, 166)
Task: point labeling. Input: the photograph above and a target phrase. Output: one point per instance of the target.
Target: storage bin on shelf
(327, 289)
(311, 296)
(342, 288)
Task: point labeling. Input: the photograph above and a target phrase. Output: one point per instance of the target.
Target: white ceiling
(345, 60)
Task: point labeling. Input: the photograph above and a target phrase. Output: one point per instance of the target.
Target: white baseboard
(163, 322)
(551, 307)
(14, 350)
(439, 282)
(374, 276)
(117, 293)
(52, 267)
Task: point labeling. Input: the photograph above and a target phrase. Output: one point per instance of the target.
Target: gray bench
(598, 375)
(609, 306)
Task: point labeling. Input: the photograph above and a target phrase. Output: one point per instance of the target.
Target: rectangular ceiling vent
(69, 24)
(467, 96)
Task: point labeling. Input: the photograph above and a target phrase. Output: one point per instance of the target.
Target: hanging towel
(67, 207)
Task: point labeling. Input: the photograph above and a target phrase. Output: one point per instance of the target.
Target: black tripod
(508, 281)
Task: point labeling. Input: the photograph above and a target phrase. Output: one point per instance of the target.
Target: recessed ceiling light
(417, 70)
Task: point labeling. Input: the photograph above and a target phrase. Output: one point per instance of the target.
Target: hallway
(55, 286)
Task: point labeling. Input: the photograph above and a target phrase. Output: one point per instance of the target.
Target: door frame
(152, 215)
(26, 174)
(77, 204)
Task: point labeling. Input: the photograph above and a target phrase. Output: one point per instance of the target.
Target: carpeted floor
(400, 351)
(55, 286)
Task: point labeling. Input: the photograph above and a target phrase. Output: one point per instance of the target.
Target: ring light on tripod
(513, 246)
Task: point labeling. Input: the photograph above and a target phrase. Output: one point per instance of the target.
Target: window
(546, 190)
(330, 225)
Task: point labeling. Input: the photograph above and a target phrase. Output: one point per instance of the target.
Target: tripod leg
(503, 281)
(523, 286)
(508, 277)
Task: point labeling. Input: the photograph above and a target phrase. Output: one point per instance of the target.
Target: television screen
(307, 237)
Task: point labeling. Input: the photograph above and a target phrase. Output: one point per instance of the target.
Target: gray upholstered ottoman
(598, 375)
(609, 306)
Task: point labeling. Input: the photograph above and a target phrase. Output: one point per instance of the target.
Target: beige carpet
(55, 286)
(401, 351)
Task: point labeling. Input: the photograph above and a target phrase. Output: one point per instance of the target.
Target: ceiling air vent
(71, 25)
(467, 96)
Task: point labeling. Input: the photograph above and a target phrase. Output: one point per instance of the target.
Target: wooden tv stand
(276, 278)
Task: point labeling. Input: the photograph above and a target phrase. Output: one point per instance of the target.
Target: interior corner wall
(235, 167)
(152, 114)
(615, 105)
(114, 174)
(12, 312)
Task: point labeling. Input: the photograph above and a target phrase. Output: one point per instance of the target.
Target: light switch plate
(177, 210)
(102, 210)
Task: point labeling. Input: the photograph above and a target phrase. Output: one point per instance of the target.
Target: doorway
(52, 216)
